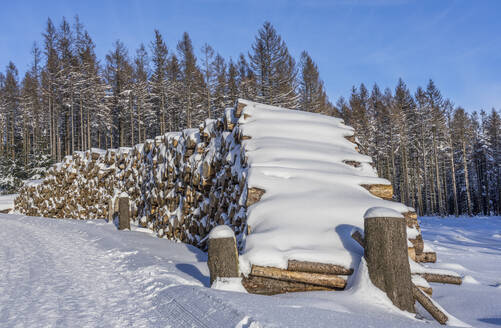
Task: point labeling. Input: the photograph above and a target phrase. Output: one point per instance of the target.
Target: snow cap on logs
(382, 212)
(221, 231)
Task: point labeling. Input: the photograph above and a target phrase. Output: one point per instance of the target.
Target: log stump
(111, 210)
(123, 213)
(223, 255)
(387, 257)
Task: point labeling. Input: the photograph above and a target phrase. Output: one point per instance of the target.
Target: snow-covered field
(62, 273)
(7, 201)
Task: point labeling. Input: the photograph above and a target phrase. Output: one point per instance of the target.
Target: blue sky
(456, 43)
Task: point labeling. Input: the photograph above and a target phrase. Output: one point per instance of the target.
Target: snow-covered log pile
(291, 184)
(311, 188)
(180, 184)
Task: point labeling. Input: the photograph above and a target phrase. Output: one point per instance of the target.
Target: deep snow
(313, 199)
(86, 273)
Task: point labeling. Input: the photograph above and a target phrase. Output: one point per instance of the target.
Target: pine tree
(192, 80)
(208, 69)
(312, 96)
(232, 83)
(145, 114)
(119, 77)
(159, 85)
(11, 96)
(246, 81)
(174, 108)
(274, 69)
(221, 100)
(49, 85)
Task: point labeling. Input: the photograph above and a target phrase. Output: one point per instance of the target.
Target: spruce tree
(159, 85)
(192, 81)
(274, 69)
(312, 96)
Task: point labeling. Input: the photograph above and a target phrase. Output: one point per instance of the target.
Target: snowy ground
(472, 247)
(62, 273)
(7, 201)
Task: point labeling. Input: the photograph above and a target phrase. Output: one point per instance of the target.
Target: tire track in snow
(55, 273)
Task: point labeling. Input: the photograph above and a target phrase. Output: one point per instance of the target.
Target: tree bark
(325, 280)
(427, 303)
(222, 258)
(388, 259)
(314, 267)
(123, 213)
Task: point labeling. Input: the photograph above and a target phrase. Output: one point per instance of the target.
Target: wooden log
(429, 306)
(254, 195)
(427, 290)
(351, 138)
(269, 286)
(380, 190)
(123, 213)
(315, 267)
(357, 236)
(111, 211)
(387, 258)
(222, 253)
(426, 257)
(411, 251)
(352, 163)
(325, 280)
(441, 278)
(418, 244)
(411, 219)
(239, 109)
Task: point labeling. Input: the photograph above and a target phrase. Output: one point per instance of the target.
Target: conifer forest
(441, 159)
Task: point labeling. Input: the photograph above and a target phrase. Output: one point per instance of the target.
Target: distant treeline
(70, 101)
(440, 159)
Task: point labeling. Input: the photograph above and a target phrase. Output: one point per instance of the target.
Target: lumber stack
(300, 276)
(180, 184)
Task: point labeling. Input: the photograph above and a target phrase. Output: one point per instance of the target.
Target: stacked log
(180, 184)
(385, 191)
(298, 277)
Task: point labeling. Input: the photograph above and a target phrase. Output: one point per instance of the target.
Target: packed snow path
(70, 273)
(59, 273)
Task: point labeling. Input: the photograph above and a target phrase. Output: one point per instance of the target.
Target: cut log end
(239, 109)
(380, 190)
(353, 163)
(254, 195)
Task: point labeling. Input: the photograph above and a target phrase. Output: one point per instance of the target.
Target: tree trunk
(82, 126)
(437, 178)
(131, 109)
(387, 259)
(466, 179)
